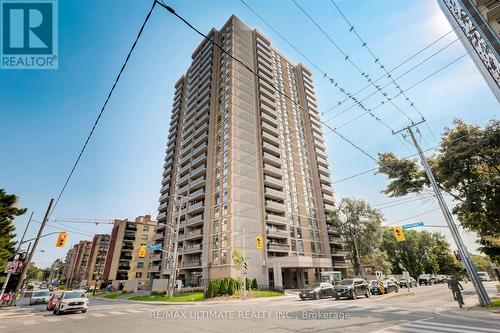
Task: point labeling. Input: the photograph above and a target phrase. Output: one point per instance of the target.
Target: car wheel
(337, 298)
(83, 311)
(353, 294)
(302, 298)
(367, 295)
(317, 296)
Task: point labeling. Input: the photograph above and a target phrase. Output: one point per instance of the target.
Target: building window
(144, 237)
(140, 264)
(145, 228)
(138, 275)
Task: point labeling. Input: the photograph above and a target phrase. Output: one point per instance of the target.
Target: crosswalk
(434, 325)
(29, 319)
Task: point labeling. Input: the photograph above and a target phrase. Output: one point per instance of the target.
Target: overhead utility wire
(172, 11)
(103, 108)
(339, 103)
(332, 81)
(348, 59)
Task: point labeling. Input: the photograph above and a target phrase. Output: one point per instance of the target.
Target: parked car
(484, 276)
(317, 291)
(440, 278)
(72, 301)
(39, 296)
(426, 279)
(352, 288)
(389, 286)
(51, 304)
(43, 285)
(411, 282)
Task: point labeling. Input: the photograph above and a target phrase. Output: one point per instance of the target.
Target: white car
(39, 296)
(72, 301)
(484, 276)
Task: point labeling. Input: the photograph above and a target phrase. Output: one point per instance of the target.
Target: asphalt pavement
(423, 309)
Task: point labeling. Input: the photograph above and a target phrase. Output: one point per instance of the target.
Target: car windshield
(41, 293)
(74, 294)
(481, 273)
(346, 282)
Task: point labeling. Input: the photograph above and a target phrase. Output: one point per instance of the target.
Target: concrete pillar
(278, 281)
(300, 278)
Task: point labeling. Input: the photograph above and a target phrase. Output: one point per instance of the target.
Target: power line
(172, 11)
(348, 59)
(333, 82)
(102, 109)
(412, 217)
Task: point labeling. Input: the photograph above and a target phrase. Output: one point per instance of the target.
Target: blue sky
(46, 115)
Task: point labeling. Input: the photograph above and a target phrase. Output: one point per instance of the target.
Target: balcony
(154, 268)
(270, 148)
(163, 206)
(271, 159)
(272, 170)
(191, 264)
(123, 267)
(273, 194)
(329, 208)
(273, 182)
(129, 237)
(334, 240)
(324, 171)
(322, 161)
(326, 189)
(200, 149)
(341, 264)
(198, 171)
(155, 257)
(274, 206)
(325, 179)
(328, 198)
(196, 208)
(158, 237)
(197, 194)
(192, 248)
(267, 137)
(194, 234)
(269, 129)
(182, 190)
(277, 233)
(276, 219)
(274, 247)
(267, 109)
(195, 220)
(197, 183)
(268, 119)
(198, 160)
(339, 253)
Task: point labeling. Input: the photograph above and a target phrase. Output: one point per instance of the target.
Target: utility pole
(462, 249)
(30, 256)
(15, 256)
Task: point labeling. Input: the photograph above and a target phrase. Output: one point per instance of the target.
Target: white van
(484, 276)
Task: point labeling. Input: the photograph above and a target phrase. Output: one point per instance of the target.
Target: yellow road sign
(399, 234)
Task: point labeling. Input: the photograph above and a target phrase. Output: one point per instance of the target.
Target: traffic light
(142, 251)
(399, 234)
(260, 242)
(62, 238)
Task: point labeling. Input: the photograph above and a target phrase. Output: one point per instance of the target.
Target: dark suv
(352, 288)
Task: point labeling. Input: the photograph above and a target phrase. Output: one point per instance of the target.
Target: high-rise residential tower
(97, 259)
(251, 164)
(477, 24)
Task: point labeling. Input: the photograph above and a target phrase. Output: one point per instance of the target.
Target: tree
(360, 226)
(255, 286)
(467, 167)
(482, 263)
(421, 252)
(238, 259)
(32, 272)
(8, 211)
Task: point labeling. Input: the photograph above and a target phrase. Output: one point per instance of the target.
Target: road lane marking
(116, 313)
(28, 322)
(78, 317)
(390, 328)
(134, 311)
(402, 312)
(98, 315)
(457, 328)
(385, 310)
(53, 319)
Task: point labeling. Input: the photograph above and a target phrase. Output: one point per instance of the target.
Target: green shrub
(231, 287)
(248, 283)
(239, 283)
(254, 284)
(158, 293)
(211, 289)
(223, 287)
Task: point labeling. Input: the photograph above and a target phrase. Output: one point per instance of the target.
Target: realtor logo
(29, 35)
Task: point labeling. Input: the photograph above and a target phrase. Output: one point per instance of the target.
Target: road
(424, 309)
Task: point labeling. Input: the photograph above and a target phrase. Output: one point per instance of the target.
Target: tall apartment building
(97, 260)
(252, 163)
(69, 262)
(477, 23)
(77, 276)
(122, 261)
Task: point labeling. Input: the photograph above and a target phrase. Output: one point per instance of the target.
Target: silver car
(39, 297)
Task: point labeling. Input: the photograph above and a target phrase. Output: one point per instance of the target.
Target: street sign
(413, 225)
(379, 275)
(399, 234)
(154, 247)
(11, 267)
